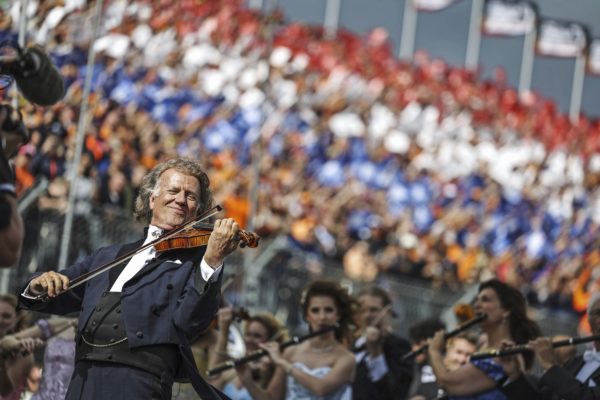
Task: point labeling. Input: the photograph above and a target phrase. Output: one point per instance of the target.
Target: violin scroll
(240, 314)
(249, 239)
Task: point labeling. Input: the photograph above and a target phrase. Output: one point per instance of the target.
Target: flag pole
(527, 60)
(409, 30)
(332, 17)
(474, 38)
(255, 4)
(577, 87)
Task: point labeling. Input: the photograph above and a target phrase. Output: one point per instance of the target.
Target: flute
(463, 327)
(17, 351)
(259, 353)
(523, 347)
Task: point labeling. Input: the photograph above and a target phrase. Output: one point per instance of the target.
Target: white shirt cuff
(377, 367)
(207, 271)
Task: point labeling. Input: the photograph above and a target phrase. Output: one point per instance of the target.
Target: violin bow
(95, 272)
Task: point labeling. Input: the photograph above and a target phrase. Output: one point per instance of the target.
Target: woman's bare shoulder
(343, 353)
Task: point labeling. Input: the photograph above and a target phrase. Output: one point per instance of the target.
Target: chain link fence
(43, 234)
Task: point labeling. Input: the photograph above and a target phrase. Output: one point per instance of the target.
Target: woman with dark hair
(506, 322)
(320, 368)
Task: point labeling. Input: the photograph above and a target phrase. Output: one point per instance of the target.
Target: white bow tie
(156, 234)
(591, 356)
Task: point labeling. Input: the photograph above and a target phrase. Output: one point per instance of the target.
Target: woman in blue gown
(506, 322)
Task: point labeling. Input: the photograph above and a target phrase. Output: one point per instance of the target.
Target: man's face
(458, 353)
(176, 200)
(370, 309)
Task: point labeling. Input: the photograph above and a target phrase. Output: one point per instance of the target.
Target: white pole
(527, 59)
(23, 22)
(474, 39)
(577, 87)
(409, 31)
(81, 128)
(255, 4)
(332, 17)
(21, 40)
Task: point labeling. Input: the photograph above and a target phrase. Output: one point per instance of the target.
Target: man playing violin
(380, 371)
(136, 320)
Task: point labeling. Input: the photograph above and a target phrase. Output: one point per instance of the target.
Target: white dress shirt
(377, 366)
(592, 363)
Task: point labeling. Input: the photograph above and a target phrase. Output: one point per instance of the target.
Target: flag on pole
(508, 18)
(431, 5)
(561, 39)
(593, 65)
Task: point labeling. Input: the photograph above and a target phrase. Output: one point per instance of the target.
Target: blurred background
(421, 145)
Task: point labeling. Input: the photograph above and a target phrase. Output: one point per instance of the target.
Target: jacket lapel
(596, 376)
(574, 365)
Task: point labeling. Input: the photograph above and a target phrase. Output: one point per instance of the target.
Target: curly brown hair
(345, 304)
(142, 211)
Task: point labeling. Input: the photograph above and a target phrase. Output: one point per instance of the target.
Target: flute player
(579, 379)
(507, 320)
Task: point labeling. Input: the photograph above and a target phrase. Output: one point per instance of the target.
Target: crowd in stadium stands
(418, 169)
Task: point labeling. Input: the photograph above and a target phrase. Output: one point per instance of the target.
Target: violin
(197, 236)
(240, 314)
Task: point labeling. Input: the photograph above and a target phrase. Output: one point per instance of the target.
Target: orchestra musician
(135, 321)
(320, 367)
(506, 320)
(578, 379)
(16, 358)
(258, 328)
(380, 370)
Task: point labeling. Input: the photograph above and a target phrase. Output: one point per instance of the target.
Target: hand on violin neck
(222, 242)
(225, 315)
